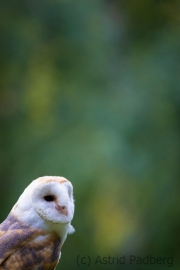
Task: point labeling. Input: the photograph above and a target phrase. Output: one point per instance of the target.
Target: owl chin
(60, 219)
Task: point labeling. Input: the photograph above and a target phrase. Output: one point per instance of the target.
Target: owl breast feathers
(32, 235)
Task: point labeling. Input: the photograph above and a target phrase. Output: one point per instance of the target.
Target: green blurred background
(89, 90)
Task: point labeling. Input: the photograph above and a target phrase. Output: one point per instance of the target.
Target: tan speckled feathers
(22, 247)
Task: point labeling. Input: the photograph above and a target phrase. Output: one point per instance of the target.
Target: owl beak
(62, 209)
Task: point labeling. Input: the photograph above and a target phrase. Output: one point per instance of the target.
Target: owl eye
(49, 198)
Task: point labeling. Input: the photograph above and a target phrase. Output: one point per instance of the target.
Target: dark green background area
(90, 90)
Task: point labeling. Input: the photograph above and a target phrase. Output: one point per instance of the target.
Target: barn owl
(33, 233)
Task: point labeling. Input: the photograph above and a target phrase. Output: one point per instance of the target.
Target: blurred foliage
(90, 90)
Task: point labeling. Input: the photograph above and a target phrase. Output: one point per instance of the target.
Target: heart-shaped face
(53, 201)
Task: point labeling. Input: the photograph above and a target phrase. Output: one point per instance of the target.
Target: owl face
(47, 203)
(53, 201)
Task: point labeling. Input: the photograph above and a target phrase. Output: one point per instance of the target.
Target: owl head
(47, 201)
